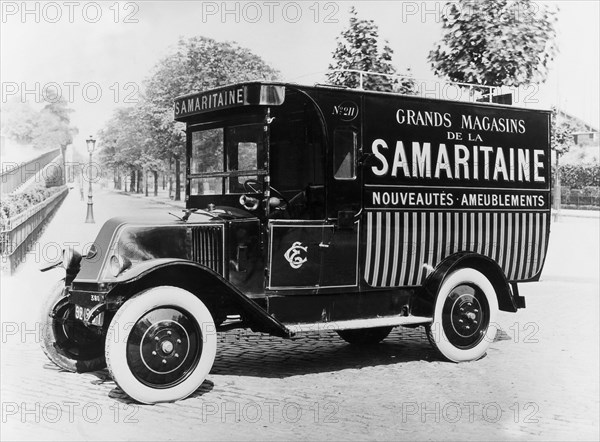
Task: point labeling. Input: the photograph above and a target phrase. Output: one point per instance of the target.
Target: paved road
(538, 381)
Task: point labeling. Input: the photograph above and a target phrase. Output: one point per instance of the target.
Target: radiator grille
(207, 247)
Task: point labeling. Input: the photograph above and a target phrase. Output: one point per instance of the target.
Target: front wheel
(66, 341)
(161, 344)
(464, 317)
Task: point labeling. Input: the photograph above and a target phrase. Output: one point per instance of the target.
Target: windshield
(224, 158)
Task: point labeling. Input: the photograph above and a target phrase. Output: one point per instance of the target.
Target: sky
(97, 54)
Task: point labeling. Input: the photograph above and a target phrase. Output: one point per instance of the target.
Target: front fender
(218, 294)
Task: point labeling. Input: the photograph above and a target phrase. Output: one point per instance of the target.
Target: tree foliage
(54, 125)
(47, 128)
(146, 136)
(18, 121)
(50, 128)
(124, 139)
(196, 64)
(496, 43)
(561, 134)
(359, 48)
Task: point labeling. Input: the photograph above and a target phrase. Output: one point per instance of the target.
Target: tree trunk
(170, 179)
(145, 182)
(164, 181)
(155, 173)
(177, 179)
(140, 181)
(119, 179)
(132, 180)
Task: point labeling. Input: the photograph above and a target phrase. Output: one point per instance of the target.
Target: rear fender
(219, 296)
(508, 295)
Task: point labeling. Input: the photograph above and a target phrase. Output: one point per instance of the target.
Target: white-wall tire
(464, 319)
(161, 345)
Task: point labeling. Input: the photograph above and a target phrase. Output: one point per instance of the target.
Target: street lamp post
(91, 144)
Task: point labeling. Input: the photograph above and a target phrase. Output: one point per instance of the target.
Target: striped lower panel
(400, 245)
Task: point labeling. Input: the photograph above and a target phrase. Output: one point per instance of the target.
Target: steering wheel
(283, 198)
(248, 186)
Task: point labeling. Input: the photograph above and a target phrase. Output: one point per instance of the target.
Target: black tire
(464, 316)
(161, 344)
(65, 341)
(365, 336)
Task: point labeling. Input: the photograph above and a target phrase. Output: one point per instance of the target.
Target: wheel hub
(465, 316)
(167, 347)
(164, 347)
(161, 346)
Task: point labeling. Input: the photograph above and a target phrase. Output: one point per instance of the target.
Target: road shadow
(244, 353)
(120, 396)
(100, 377)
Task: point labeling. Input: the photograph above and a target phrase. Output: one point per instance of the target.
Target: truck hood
(138, 238)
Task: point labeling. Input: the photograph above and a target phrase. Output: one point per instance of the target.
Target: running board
(352, 324)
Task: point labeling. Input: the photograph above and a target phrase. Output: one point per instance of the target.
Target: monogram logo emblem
(293, 255)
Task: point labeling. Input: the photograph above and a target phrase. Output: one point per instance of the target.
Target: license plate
(83, 314)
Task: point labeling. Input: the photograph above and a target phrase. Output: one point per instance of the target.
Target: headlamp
(71, 258)
(118, 264)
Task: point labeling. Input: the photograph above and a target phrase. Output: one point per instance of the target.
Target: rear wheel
(464, 316)
(65, 340)
(161, 344)
(365, 336)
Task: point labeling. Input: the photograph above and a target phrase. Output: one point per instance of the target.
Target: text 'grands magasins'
(468, 151)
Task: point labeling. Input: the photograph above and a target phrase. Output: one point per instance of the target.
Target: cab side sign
(455, 157)
(461, 149)
(209, 101)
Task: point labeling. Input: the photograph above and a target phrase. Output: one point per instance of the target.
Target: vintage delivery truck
(313, 208)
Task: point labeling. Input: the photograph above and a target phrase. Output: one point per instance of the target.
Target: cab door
(295, 226)
(340, 233)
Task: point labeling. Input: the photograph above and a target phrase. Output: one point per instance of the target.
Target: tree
(561, 141)
(53, 128)
(46, 129)
(561, 134)
(125, 144)
(495, 43)
(196, 64)
(54, 125)
(359, 48)
(19, 120)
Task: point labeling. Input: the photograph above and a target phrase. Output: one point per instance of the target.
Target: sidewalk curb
(593, 214)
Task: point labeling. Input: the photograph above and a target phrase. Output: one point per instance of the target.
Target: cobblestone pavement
(538, 381)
